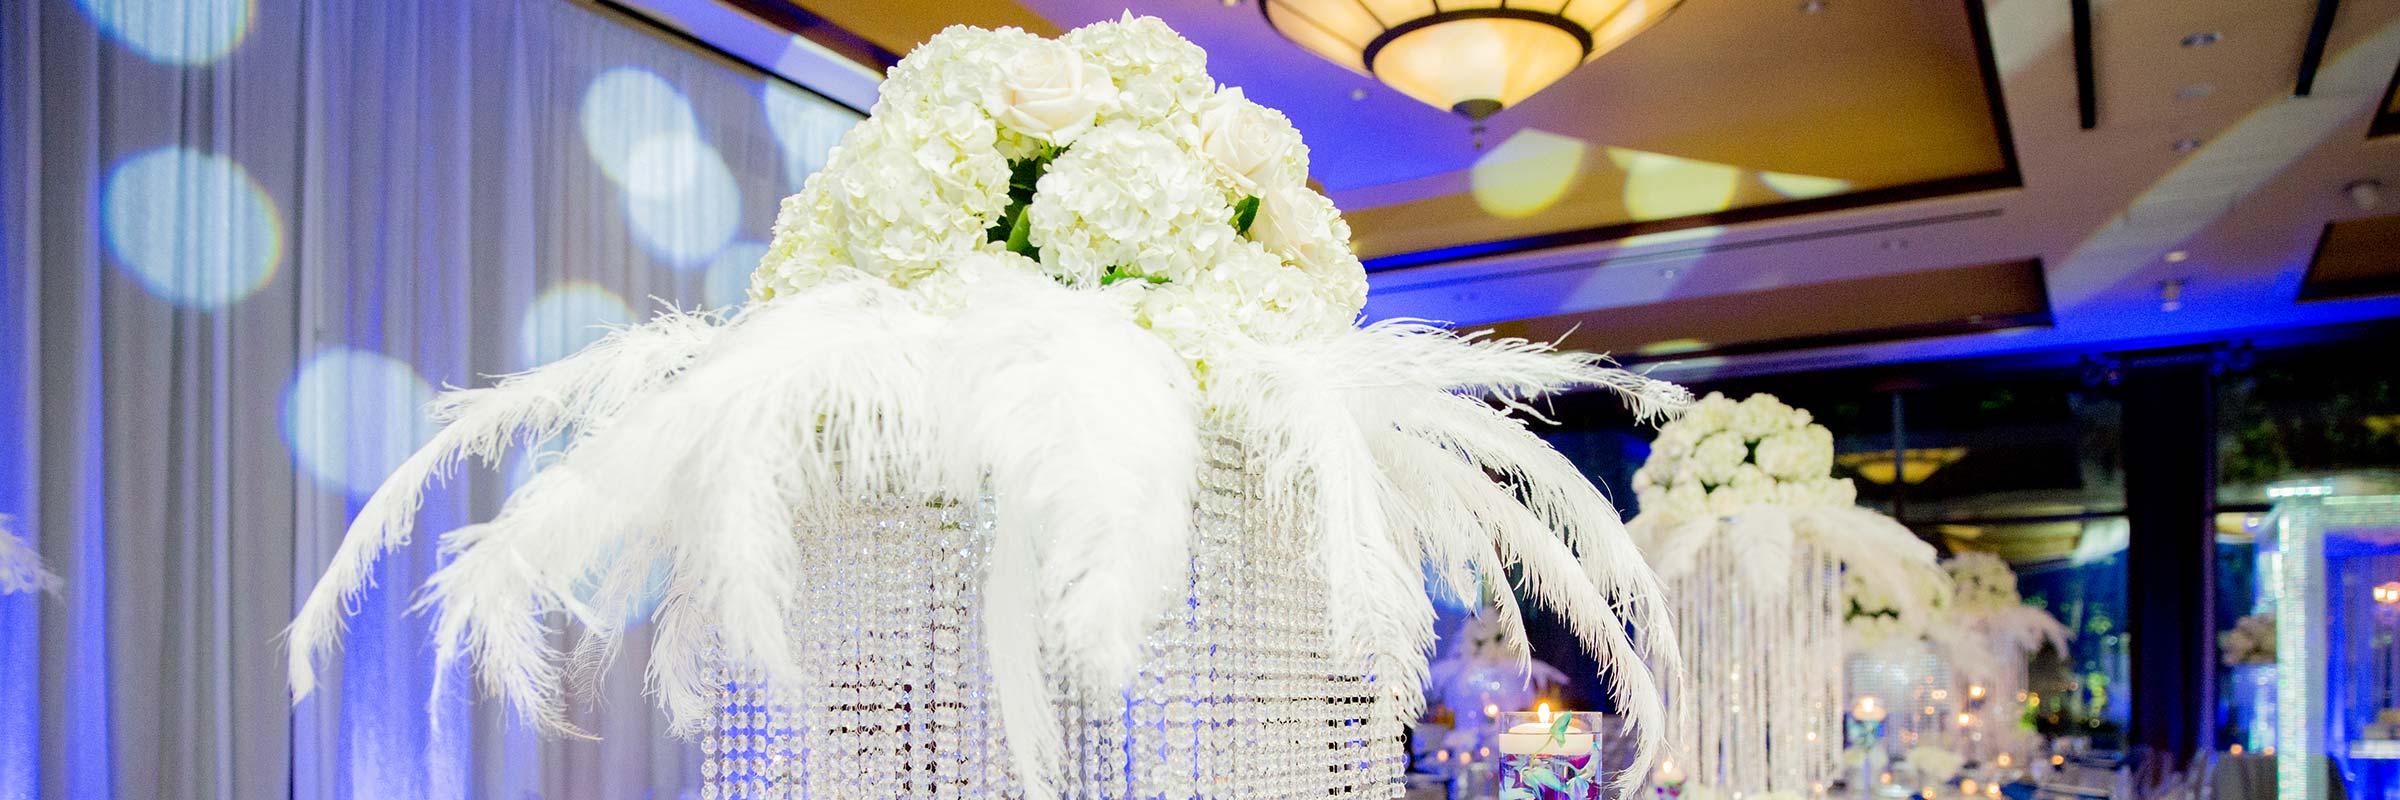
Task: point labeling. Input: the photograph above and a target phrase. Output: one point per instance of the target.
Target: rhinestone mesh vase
(1239, 695)
(1760, 710)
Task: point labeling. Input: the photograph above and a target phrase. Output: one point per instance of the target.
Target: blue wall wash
(244, 242)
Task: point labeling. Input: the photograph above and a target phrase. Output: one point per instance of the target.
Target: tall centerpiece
(1741, 517)
(1991, 636)
(1048, 459)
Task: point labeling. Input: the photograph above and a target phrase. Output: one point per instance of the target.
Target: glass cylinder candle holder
(1546, 755)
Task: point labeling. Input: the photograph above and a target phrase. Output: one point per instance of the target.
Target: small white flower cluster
(1723, 456)
(1876, 614)
(2250, 641)
(1982, 581)
(1107, 159)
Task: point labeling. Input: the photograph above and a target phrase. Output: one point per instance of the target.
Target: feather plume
(529, 406)
(1376, 412)
(709, 449)
(21, 567)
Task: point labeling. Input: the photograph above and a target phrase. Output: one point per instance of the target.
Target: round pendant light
(1473, 57)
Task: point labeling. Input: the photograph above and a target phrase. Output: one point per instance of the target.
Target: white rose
(1050, 93)
(1717, 456)
(1642, 481)
(1758, 416)
(1250, 145)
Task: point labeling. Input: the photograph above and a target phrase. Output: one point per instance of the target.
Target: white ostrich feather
(1883, 553)
(1374, 413)
(711, 449)
(526, 407)
(21, 567)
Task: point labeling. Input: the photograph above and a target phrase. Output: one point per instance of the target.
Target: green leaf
(1117, 274)
(1244, 213)
(1558, 729)
(1020, 237)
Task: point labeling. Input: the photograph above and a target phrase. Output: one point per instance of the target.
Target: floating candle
(1868, 710)
(1542, 737)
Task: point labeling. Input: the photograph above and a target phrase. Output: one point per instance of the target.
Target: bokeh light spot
(626, 106)
(567, 318)
(191, 226)
(728, 283)
(1660, 186)
(681, 200)
(174, 31)
(1527, 173)
(1801, 187)
(351, 417)
(806, 128)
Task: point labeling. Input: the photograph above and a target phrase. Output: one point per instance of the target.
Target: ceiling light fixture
(2170, 295)
(2196, 91)
(2177, 256)
(1472, 57)
(1812, 6)
(2201, 39)
(2185, 145)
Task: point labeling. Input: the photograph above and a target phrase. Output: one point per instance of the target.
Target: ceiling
(1745, 154)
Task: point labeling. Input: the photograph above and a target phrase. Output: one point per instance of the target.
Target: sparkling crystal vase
(1240, 696)
(1761, 708)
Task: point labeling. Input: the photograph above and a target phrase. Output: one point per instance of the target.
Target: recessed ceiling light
(1232, 3)
(2186, 145)
(2196, 91)
(1812, 6)
(1669, 273)
(1894, 244)
(2177, 256)
(1358, 94)
(2201, 39)
(2170, 295)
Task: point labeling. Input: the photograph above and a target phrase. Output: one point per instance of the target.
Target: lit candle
(1542, 738)
(1491, 711)
(1975, 692)
(1868, 710)
(1668, 775)
(1966, 720)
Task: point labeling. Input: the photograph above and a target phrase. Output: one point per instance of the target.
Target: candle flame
(1543, 713)
(1975, 692)
(1491, 710)
(2235, 750)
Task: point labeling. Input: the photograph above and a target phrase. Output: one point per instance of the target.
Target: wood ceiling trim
(2009, 176)
(1949, 301)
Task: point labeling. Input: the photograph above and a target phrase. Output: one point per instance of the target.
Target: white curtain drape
(244, 241)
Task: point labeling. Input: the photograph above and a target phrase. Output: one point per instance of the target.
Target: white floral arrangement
(1986, 624)
(1882, 610)
(2251, 640)
(1982, 581)
(1045, 272)
(1106, 159)
(1723, 456)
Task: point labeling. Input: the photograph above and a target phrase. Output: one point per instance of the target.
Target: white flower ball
(1759, 415)
(1717, 456)
(1797, 455)
(1711, 414)
(1128, 199)
(1161, 78)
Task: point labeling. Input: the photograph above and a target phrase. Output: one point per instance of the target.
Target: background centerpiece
(1755, 539)
(1048, 458)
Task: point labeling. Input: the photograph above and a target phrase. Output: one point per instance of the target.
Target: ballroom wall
(244, 242)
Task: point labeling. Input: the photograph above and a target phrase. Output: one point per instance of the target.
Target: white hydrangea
(1737, 454)
(1161, 78)
(1129, 200)
(1129, 162)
